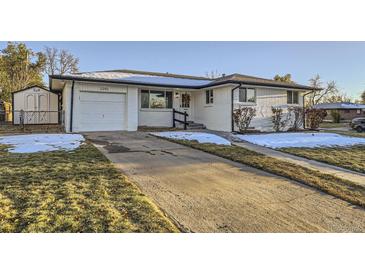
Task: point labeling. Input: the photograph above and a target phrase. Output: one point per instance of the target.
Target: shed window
(209, 97)
(292, 97)
(156, 99)
(247, 95)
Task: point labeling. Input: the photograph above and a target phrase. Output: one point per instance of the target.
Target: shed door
(37, 108)
(36, 102)
(101, 111)
(30, 102)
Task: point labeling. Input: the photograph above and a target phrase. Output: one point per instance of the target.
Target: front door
(185, 103)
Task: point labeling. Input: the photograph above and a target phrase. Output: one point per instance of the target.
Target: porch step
(192, 125)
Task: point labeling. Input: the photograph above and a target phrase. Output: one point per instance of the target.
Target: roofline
(33, 86)
(341, 108)
(164, 74)
(353, 106)
(89, 79)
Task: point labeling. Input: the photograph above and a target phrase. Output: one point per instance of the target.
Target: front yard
(72, 191)
(336, 186)
(351, 133)
(352, 157)
(343, 149)
(334, 125)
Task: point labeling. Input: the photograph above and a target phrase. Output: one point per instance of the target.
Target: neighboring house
(126, 99)
(5, 112)
(38, 105)
(347, 111)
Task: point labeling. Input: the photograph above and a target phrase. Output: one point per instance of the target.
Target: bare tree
(51, 60)
(60, 61)
(320, 93)
(338, 98)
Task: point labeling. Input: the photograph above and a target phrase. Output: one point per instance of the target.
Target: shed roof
(33, 86)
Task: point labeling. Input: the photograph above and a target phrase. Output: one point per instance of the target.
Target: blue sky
(343, 62)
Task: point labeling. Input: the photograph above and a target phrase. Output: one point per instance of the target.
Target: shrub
(296, 114)
(242, 117)
(277, 118)
(336, 117)
(315, 117)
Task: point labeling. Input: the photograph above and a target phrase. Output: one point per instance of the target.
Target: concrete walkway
(343, 173)
(205, 193)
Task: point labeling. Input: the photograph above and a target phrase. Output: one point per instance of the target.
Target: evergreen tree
(285, 78)
(20, 67)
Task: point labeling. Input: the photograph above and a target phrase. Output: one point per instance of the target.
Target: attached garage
(90, 106)
(101, 111)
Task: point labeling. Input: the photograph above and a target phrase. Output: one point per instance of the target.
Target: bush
(315, 117)
(296, 114)
(242, 117)
(336, 117)
(277, 119)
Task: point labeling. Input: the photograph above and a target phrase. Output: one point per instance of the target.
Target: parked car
(358, 124)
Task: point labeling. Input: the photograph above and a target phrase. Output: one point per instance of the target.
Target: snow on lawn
(42, 142)
(201, 137)
(280, 140)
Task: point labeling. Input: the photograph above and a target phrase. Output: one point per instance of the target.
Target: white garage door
(101, 111)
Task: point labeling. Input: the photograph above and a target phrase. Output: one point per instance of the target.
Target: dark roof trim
(335, 106)
(34, 86)
(217, 83)
(88, 79)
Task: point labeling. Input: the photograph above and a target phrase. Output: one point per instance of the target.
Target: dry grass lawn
(335, 186)
(352, 158)
(351, 133)
(333, 125)
(77, 191)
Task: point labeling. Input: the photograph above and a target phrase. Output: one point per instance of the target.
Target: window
(156, 99)
(209, 99)
(292, 97)
(168, 99)
(145, 101)
(247, 95)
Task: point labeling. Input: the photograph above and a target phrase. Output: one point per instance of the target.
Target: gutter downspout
(72, 104)
(304, 106)
(232, 122)
(12, 107)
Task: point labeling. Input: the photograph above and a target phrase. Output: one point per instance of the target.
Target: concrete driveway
(205, 193)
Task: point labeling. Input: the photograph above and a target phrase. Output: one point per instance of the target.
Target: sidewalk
(343, 173)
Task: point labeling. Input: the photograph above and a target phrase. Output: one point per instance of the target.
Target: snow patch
(201, 137)
(280, 140)
(42, 142)
(166, 80)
